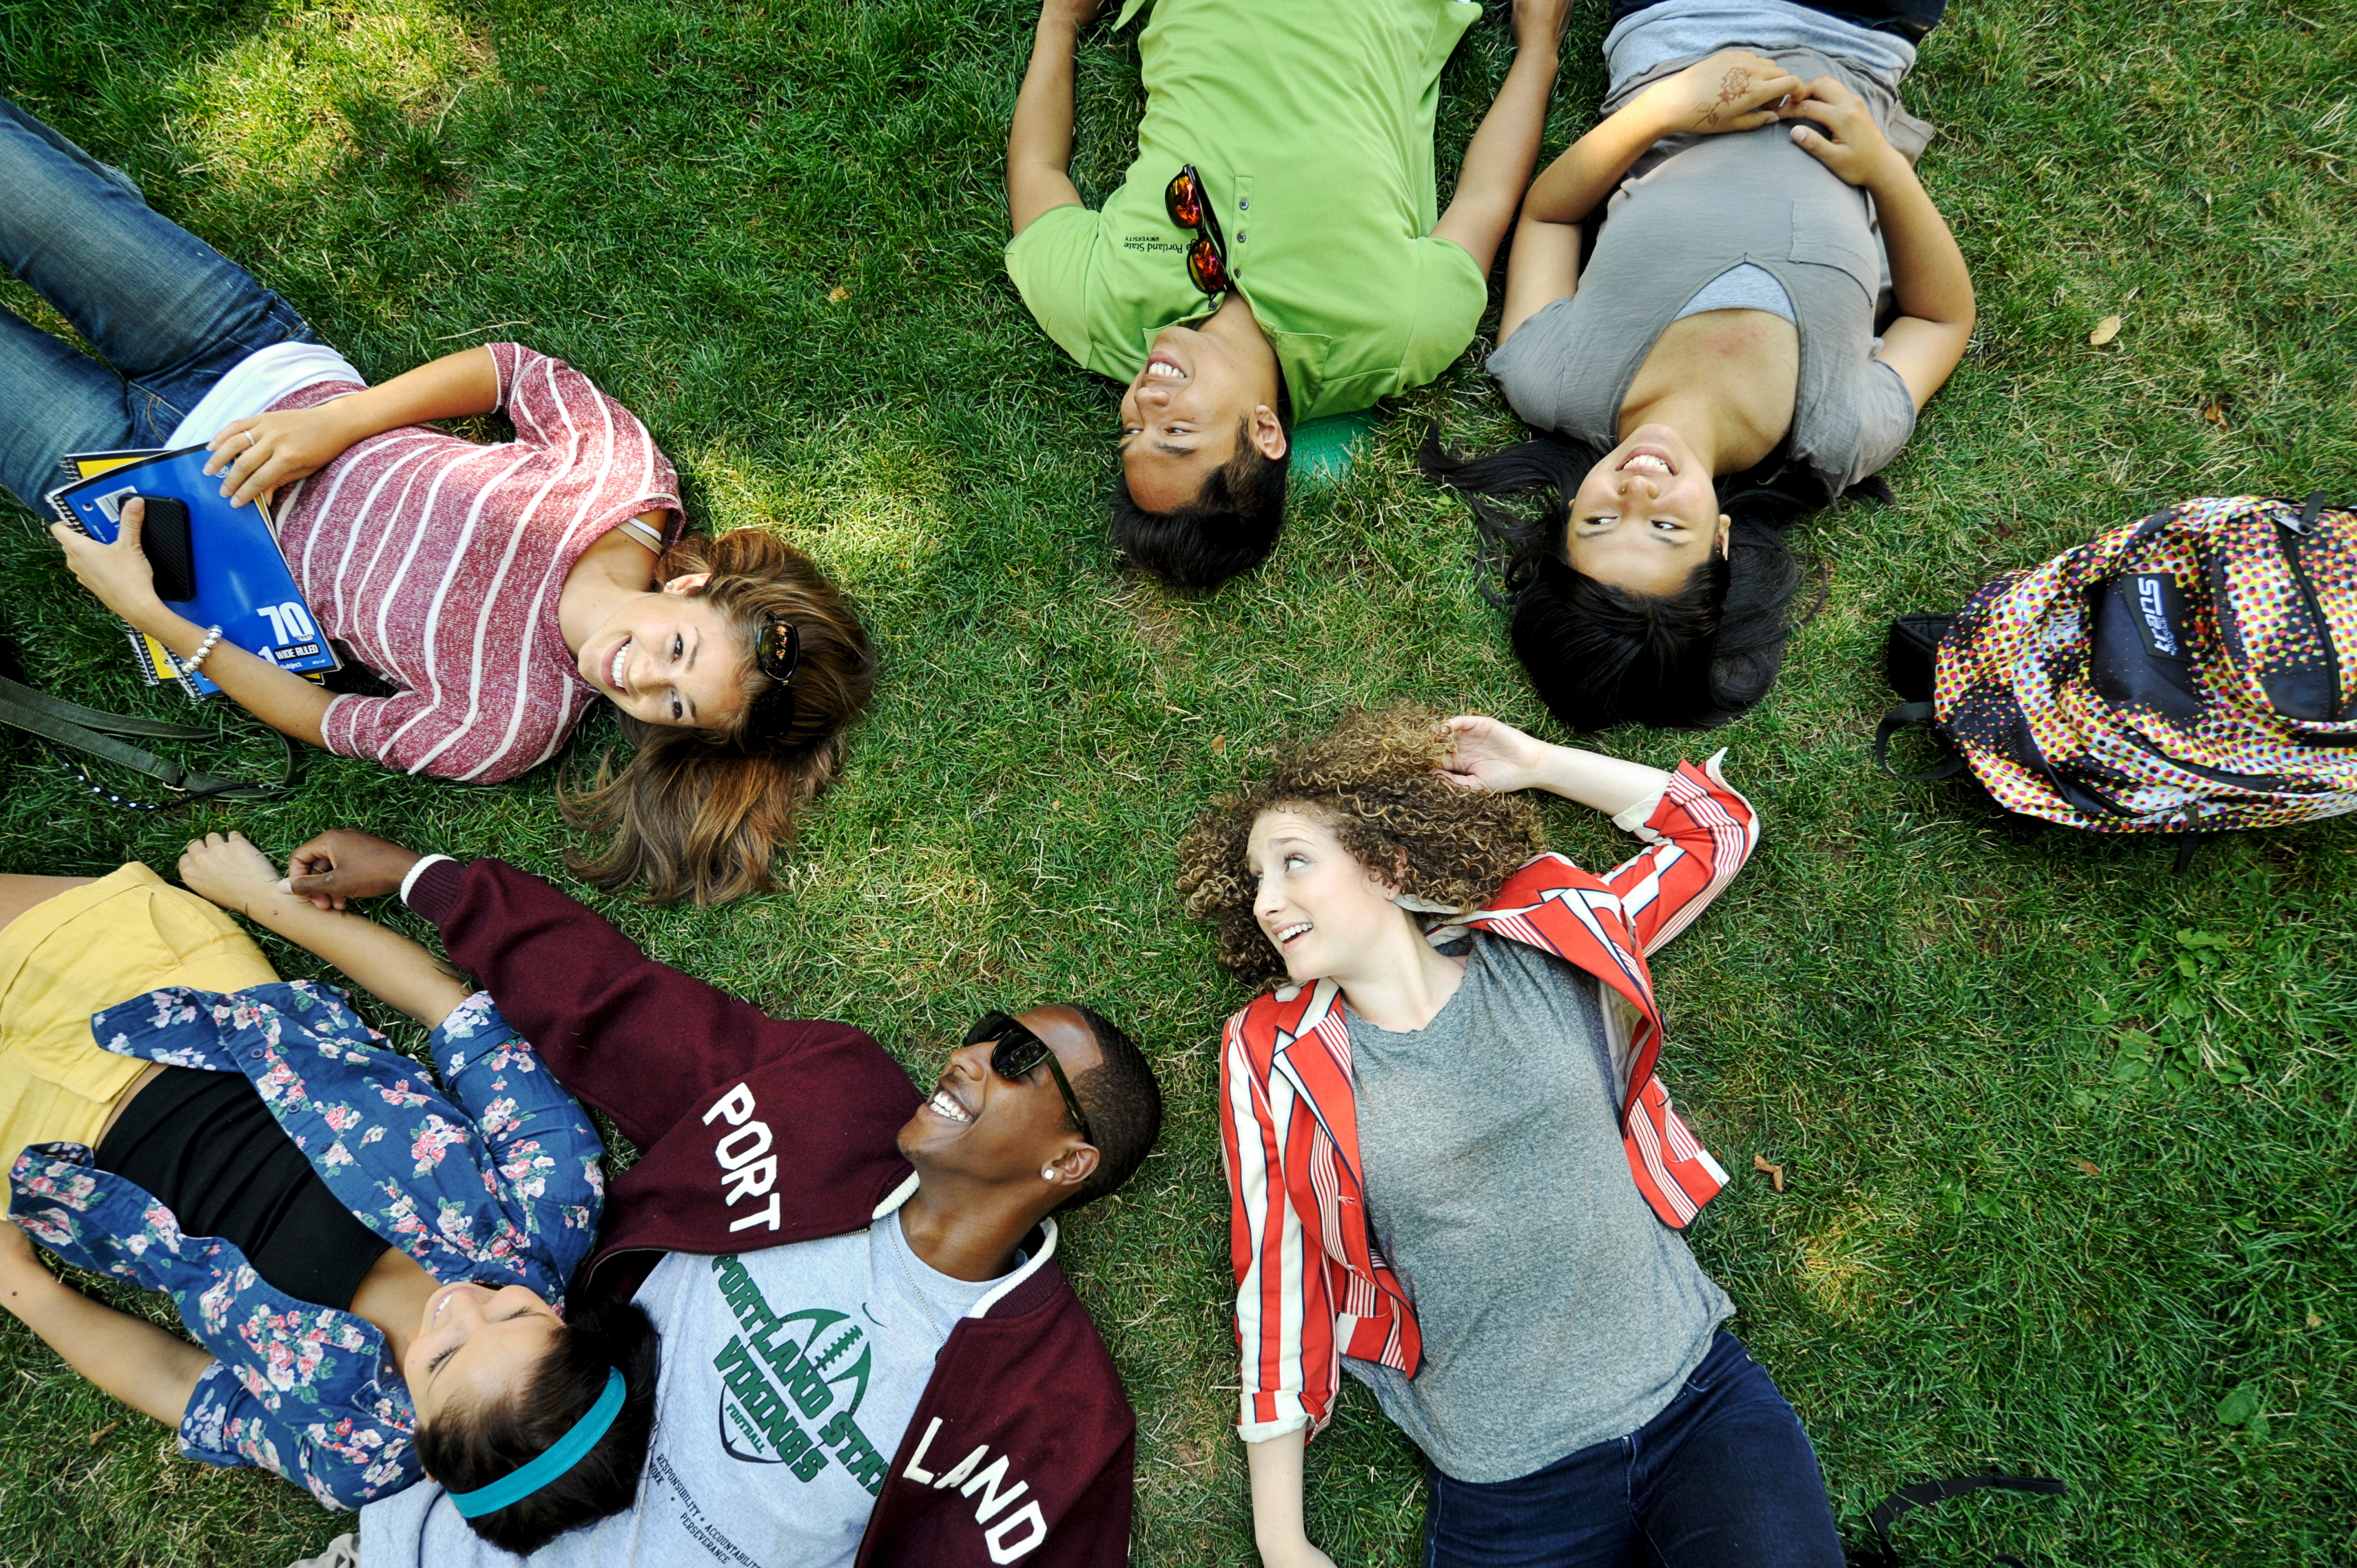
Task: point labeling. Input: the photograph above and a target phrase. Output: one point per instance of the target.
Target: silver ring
(250, 438)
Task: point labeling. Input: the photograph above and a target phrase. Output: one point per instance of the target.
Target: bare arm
(1733, 91)
(1488, 755)
(236, 875)
(1040, 144)
(148, 1369)
(120, 575)
(1277, 1528)
(1498, 161)
(1933, 288)
(255, 456)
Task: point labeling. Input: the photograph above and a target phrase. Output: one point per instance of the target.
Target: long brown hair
(699, 813)
(1375, 780)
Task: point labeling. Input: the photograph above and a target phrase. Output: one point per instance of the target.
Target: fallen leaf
(101, 1431)
(1218, 743)
(2105, 330)
(1055, 805)
(1773, 1173)
(2087, 1165)
(2215, 410)
(2314, 1321)
(838, 294)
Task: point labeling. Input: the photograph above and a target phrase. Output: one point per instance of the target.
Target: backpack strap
(92, 731)
(1908, 1498)
(1905, 716)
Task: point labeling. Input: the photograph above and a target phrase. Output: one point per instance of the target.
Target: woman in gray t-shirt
(1755, 175)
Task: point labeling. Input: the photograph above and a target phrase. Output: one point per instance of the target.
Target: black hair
(1123, 1104)
(467, 1447)
(1229, 526)
(1600, 654)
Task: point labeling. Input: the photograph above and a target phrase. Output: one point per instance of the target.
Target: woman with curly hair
(1452, 1169)
(1767, 300)
(501, 588)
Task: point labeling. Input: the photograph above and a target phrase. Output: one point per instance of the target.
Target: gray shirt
(1557, 1310)
(1695, 207)
(757, 1461)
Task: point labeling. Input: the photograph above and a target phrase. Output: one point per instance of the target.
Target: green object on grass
(1323, 449)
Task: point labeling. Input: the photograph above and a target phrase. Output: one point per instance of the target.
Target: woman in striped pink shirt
(501, 587)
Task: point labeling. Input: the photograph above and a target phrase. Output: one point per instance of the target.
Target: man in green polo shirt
(1321, 278)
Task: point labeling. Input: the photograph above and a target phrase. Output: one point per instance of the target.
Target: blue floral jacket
(496, 1179)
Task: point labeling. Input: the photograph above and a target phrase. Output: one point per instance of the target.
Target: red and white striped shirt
(1311, 1287)
(438, 563)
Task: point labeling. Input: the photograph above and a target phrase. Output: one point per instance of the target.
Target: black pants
(1910, 19)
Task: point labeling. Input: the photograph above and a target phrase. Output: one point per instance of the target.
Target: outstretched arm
(146, 1367)
(1039, 146)
(1488, 755)
(1278, 1528)
(1732, 91)
(236, 875)
(1504, 150)
(1928, 276)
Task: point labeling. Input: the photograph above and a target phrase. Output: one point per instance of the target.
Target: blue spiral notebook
(240, 581)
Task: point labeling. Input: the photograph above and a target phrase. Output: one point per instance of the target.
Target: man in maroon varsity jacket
(869, 1355)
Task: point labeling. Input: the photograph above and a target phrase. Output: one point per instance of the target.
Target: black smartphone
(165, 536)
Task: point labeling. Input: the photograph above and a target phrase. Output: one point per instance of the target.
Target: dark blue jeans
(1724, 1477)
(169, 315)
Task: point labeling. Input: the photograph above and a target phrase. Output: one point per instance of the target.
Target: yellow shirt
(125, 934)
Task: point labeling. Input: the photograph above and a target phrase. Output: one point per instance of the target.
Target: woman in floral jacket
(471, 1204)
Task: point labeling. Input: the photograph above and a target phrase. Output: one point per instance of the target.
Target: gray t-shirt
(788, 1377)
(1556, 1311)
(1695, 207)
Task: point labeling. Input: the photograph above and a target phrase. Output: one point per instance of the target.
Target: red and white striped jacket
(1310, 1287)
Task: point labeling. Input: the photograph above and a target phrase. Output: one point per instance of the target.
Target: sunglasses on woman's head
(776, 651)
(1017, 1052)
(1191, 207)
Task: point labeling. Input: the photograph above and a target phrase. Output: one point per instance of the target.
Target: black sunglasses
(775, 653)
(1017, 1052)
(1190, 208)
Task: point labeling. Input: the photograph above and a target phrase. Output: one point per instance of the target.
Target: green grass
(773, 229)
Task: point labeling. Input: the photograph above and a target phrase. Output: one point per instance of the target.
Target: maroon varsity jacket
(1025, 1393)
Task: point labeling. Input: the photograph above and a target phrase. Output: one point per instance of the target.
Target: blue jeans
(1724, 1477)
(169, 314)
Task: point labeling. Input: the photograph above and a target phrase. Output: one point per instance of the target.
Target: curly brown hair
(1374, 778)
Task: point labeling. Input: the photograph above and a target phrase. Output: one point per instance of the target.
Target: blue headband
(563, 1454)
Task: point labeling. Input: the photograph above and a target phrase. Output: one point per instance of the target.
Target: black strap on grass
(1905, 716)
(1908, 1498)
(72, 727)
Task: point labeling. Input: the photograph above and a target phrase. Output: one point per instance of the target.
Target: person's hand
(1734, 90)
(228, 870)
(254, 457)
(1298, 1555)
(1073, 13)
(345, 863)
(1488, 755)
(1538, 24)
(1841, 133)
(118, 575)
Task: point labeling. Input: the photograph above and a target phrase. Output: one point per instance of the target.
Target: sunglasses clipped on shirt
(1017, 1052)
(1189, 207)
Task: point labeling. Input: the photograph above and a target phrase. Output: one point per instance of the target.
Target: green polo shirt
(1311, 122)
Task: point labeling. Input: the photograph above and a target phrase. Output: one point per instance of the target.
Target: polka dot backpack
(2191, 673)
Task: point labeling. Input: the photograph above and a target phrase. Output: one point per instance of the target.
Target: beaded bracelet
(189, 666)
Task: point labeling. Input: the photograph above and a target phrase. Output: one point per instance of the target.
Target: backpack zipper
(2287, 531)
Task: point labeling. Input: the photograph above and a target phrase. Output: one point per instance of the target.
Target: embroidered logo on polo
(788, 1369)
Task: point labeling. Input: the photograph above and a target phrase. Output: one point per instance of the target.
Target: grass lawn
(2070, 1139)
